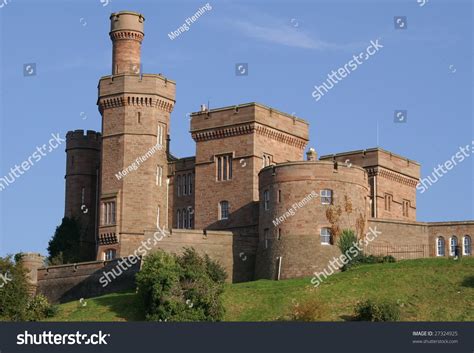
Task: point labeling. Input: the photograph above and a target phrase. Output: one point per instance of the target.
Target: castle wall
(293, 232)
(75, 281)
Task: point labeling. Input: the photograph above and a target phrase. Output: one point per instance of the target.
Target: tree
(64, 247)
(181, 288)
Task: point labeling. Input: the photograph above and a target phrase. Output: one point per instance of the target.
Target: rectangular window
(185, 184)
(159, 175)
(83, 194)
(159, 134)
(190, 181)
(266, 200)
(325, 236)
(326, 196)
(279, 196)
(279, 233)
(158, 218)
(224, 167)
(108, 213)
(224, 210)
(266, 235)
(388, 202)
(178, 185)
(406, 207)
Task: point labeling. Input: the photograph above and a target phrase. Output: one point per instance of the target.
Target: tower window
(279, 196)
(266, 235)
(159, 134)
(279, 233)
(159, 175)
(223, 210)
(83, 194)
(109, 254)
(108, 213)
(266, 160)
(325, 236)
(406, 207)
(388, 202)
(224, 167)
(266, 200)
(139, 117)
(326, 196)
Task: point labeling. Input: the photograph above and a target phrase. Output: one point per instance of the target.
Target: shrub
(181, 288)
(371, 310)
(309, 310)
(346, 245)
(39, 308)
(63, 248)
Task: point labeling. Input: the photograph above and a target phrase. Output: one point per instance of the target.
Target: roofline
(250, 104)
(373, 149)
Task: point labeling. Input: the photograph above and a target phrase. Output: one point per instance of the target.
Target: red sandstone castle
(243, 198)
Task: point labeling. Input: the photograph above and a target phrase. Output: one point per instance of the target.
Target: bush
(16, 304)
(64, 248)
(370, 310)
(346, 245)
(181, 288)
(309, 310)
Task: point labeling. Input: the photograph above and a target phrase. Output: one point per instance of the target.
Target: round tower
(82, 185)
(126, 32)
(304, 206)
(135, 113)
(32, 262)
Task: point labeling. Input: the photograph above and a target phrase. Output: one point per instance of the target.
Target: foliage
(311, 309)
(181, 288)
(64, 247)
(16, 304)
(371, 310)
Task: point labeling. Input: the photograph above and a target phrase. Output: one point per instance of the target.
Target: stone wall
(75, 281)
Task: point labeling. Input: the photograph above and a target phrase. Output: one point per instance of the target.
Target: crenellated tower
(135, 109)
(82, 186)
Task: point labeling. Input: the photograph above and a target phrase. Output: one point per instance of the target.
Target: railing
(401, 252)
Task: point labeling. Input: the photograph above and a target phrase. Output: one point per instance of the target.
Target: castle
(251, 197)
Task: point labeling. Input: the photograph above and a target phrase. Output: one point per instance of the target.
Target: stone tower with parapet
(82, 186)
(135, 109)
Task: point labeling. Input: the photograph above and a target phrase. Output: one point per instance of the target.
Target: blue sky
(289, 46)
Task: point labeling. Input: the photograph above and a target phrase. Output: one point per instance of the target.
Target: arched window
(453, 242)
(178, 220)
(185, 218)
(440, 246)
(223, 210)
(466, 245)
(326, 236)
(109, 254)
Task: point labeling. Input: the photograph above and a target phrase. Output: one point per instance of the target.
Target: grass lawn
(426, 290)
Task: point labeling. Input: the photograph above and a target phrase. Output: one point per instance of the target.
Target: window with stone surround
(159, 175)
(406, 207)
(223, 210)
(466, 245)
(108, 213)
(178, 184)
(266, 160)
(279, 233)
(440, 246)
(185, 218)
(224, 167)
(178, 219)
(110, 254)
(190, 183)
(326, 196)
(325, 236)
(388, 202)
(453, 242)
(185, 184)
(266, 235)
(159, 134)
(266, 200)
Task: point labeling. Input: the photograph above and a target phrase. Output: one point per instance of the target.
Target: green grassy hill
(426, 290)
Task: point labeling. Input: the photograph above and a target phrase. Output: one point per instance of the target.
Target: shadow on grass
(127, 306)
(468, 282)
